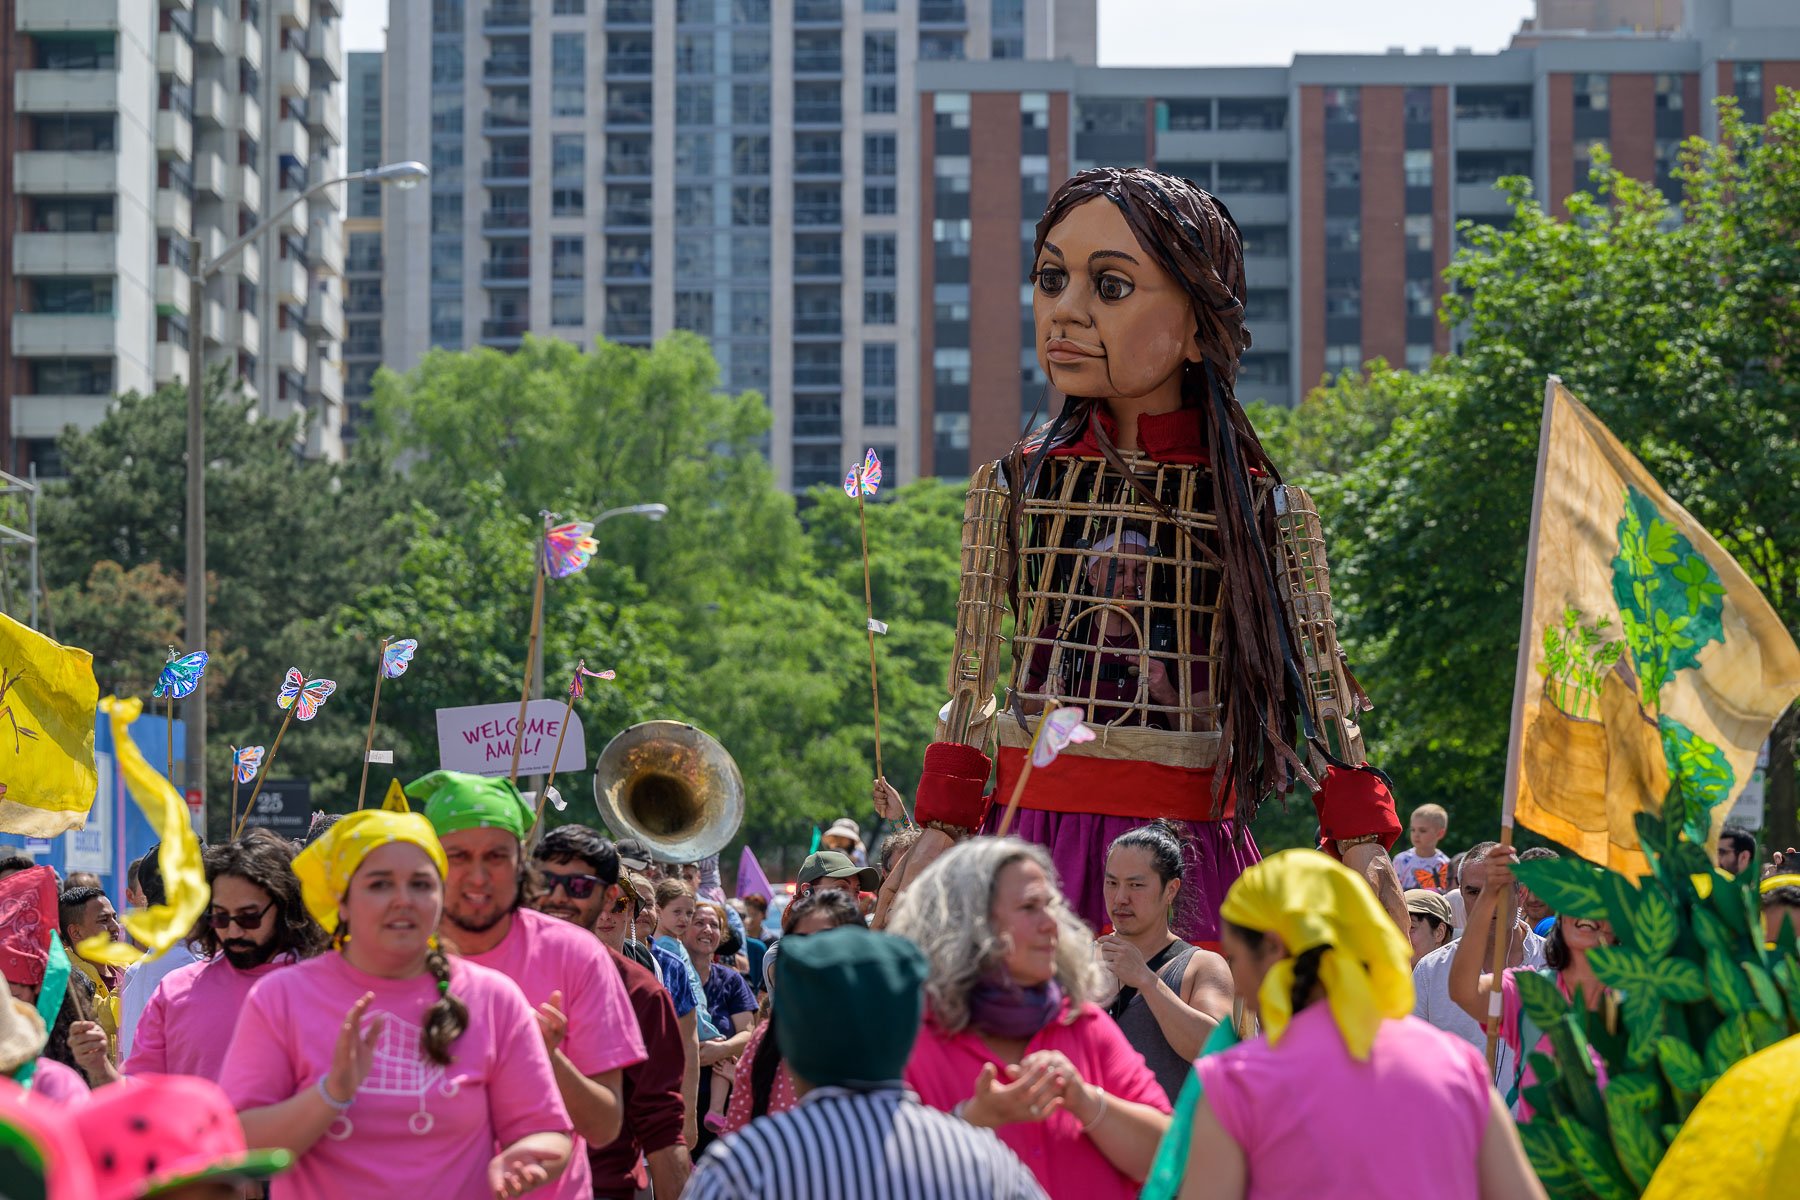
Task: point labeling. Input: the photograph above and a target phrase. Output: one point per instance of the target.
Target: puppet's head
(1138, 276)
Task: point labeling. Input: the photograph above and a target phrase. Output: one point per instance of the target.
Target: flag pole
(1509, 796)
(869, 611)
(374, 705)
(537, 620)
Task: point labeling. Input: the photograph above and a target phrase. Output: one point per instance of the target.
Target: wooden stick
(556, 754)
(374, 705)
(1012, 804)
(169, 727)
(268, 768)
(869, 610)
(537, 620)
(234, 790)
(1503, 927)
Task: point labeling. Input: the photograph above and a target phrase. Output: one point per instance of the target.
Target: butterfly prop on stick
(1057, 730)
(394, 657)
(863, 480)
(246, 761)
(180, 678)
(577, 689)
(301, 697)
(563, 550)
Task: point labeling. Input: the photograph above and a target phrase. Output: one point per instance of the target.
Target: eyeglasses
(618, 906)
(579, 887)
(221, 920)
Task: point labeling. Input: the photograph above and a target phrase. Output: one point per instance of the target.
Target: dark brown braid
(445, 1020)
(1193, 237)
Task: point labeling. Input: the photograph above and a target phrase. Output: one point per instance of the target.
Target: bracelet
(338, 1105)
(961, 1111)
(1099, 1115)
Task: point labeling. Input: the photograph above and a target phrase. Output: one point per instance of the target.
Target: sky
(1190, 33)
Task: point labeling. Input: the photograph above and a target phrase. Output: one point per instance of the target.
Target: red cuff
(1353, 803)
(953, 786)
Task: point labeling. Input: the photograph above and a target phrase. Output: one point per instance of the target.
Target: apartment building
(136, 126)
(1347, 175)
(362, 237)
(740, 168)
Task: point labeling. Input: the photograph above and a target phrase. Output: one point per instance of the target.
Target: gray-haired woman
(1012, 1040)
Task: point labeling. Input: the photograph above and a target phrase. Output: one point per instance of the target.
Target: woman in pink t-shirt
(1011, 1040)
(1342, 1071)
(386, 1067)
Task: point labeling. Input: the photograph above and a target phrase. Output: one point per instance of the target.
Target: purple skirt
(1217, 853)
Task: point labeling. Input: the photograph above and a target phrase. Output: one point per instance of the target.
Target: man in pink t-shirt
(583, 1009)
(256, 924)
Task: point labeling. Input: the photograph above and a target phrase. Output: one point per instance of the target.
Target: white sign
(90, 847)
(1749, 809)
(479, 739)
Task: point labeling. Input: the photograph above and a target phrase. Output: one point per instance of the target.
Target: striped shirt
(838, 1144)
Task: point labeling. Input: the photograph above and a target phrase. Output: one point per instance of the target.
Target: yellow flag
(395, 800)
(1649, 662)
(47, 696)
(184, 876)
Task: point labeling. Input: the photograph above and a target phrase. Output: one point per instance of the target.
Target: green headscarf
(455, 801)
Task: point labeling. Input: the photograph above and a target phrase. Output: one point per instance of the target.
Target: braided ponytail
(445, 1020)
(1306, 975)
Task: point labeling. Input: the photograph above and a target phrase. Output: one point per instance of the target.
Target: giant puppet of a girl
(1159, 574)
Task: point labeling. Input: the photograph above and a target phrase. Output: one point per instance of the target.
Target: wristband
(338, 1105)
(1099, 1113)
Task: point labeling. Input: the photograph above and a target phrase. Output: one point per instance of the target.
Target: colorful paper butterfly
(578, 689)
(867, 476)
(568, 548)
(180, 676)
(1062, 729)
(304, 696)
(395, 658)
(246, 761)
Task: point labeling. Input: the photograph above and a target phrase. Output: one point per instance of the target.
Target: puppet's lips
(1063, 350)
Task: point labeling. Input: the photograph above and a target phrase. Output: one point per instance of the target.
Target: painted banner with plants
(1655, 667)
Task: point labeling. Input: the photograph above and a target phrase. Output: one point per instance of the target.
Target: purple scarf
(1001, 1008)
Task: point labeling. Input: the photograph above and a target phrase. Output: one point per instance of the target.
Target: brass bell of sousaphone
(671, 786)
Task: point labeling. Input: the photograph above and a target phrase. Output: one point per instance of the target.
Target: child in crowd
(1780, 905)
(1423, 865)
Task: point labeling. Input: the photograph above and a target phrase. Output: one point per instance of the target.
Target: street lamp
(402, 175)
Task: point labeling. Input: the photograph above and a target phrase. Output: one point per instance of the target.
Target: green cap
(848, 1007)
(454, 801)
(835, 864)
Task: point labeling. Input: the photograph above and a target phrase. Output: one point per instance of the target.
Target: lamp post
(402, 174)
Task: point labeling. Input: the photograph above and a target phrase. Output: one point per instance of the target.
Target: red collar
(1171, 437)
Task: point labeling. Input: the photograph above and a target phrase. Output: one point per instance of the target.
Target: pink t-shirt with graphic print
(415, 1129)
(543, 955)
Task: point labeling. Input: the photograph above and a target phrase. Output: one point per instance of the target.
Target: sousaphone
(671, 786)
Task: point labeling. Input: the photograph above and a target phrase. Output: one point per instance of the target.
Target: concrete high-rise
(362, 236)
(1347, 175)
(740, 168)
(135, 127)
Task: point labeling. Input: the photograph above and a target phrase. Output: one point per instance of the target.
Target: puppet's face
(1111, 323)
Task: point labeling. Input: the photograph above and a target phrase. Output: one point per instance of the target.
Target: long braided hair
(1192, 236)
(448, 1017)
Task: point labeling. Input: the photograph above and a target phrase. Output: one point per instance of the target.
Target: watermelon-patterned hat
(40, 1153)
(155, 1133)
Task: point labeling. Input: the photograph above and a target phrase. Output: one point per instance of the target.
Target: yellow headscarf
(1308, 899)
(325, 867)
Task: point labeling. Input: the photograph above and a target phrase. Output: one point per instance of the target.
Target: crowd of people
(440, 1003)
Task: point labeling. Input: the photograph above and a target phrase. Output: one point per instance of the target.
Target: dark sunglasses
(221, 920)
(579, 887)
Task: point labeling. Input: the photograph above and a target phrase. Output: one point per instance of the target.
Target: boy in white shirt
(1424, 865)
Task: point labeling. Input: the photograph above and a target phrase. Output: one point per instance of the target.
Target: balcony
(295, 219)
(507, 16)
(174, 212)
(171, 290)
(296, 13)
(293, 78)
(818, 324)
(509, 69)
(249, 188)
(291, 140)
(819, 63)
(506, 122)
(209, 175)
(325, 247)
(504, 170)
(66, 91)
(288, 348)
(325, 379)
(629, 65)
(212, 104)
(174, 57)
(818, 267)
(48, 416)
(252, 43)
(250, 116)
(212, 328)
(630, 12)
(362, 347)
(174, 135)
(249, 263)
(65, 16)
(65, 253)
(943, 12)
(249, 333)
(88, 335)
(1493, 133)
(506, 272)
(506, 222)
(212, 30)
(819, 112)
(820, 12)
(171, 364)
(504, 330)
(333, 7)
(325, 117)
(325, 315)
(288, 281)
(65, 172)
(1475, 200)
(325, 50)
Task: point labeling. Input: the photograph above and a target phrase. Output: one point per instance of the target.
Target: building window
(879, 306)
(881, 52)
(1267, 241)
(750, 103)
(880, 199)
(1418, 231)
(1419, 300)
(881, 152)
(940, 47)
(694, 311)
(568, 308)
(749, 254)
(694, 254)
(694, 205)
(1343, 357)
(880, 98)
(880, 368)
(749, 154)
(694, 54)
(1252, 113)
(1184, 115)
(880, 255)
(1668, 93)
(749, 206)
(951, 174)
(1343, 169)
(950, 110)
(1343, 105)
(1343, 233)
(568, 202)
(567, 258)
(1034, 110)
(951, 236)
(1343, 298)
(1238, 178)
(1418, 356)
(693, 104)
(818, 103)
(749, 313)
(749, 53)
(1592, 92)
(950, 366)
(1418, 168)
(818, 365)
(568, 156)
(949, 303)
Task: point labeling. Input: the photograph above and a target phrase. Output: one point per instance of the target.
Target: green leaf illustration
(1569, 886)
(1681, 1065)
(1654, 926)
(1680, 981)
(1550, 1158)
(1729, 1042)
(1763, 987)
(1634, 1139)
(1698, 771)
(1539, 998)
(1592, 1157)
(1670, 599)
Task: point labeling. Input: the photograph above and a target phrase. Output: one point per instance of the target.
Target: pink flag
(750, 878)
